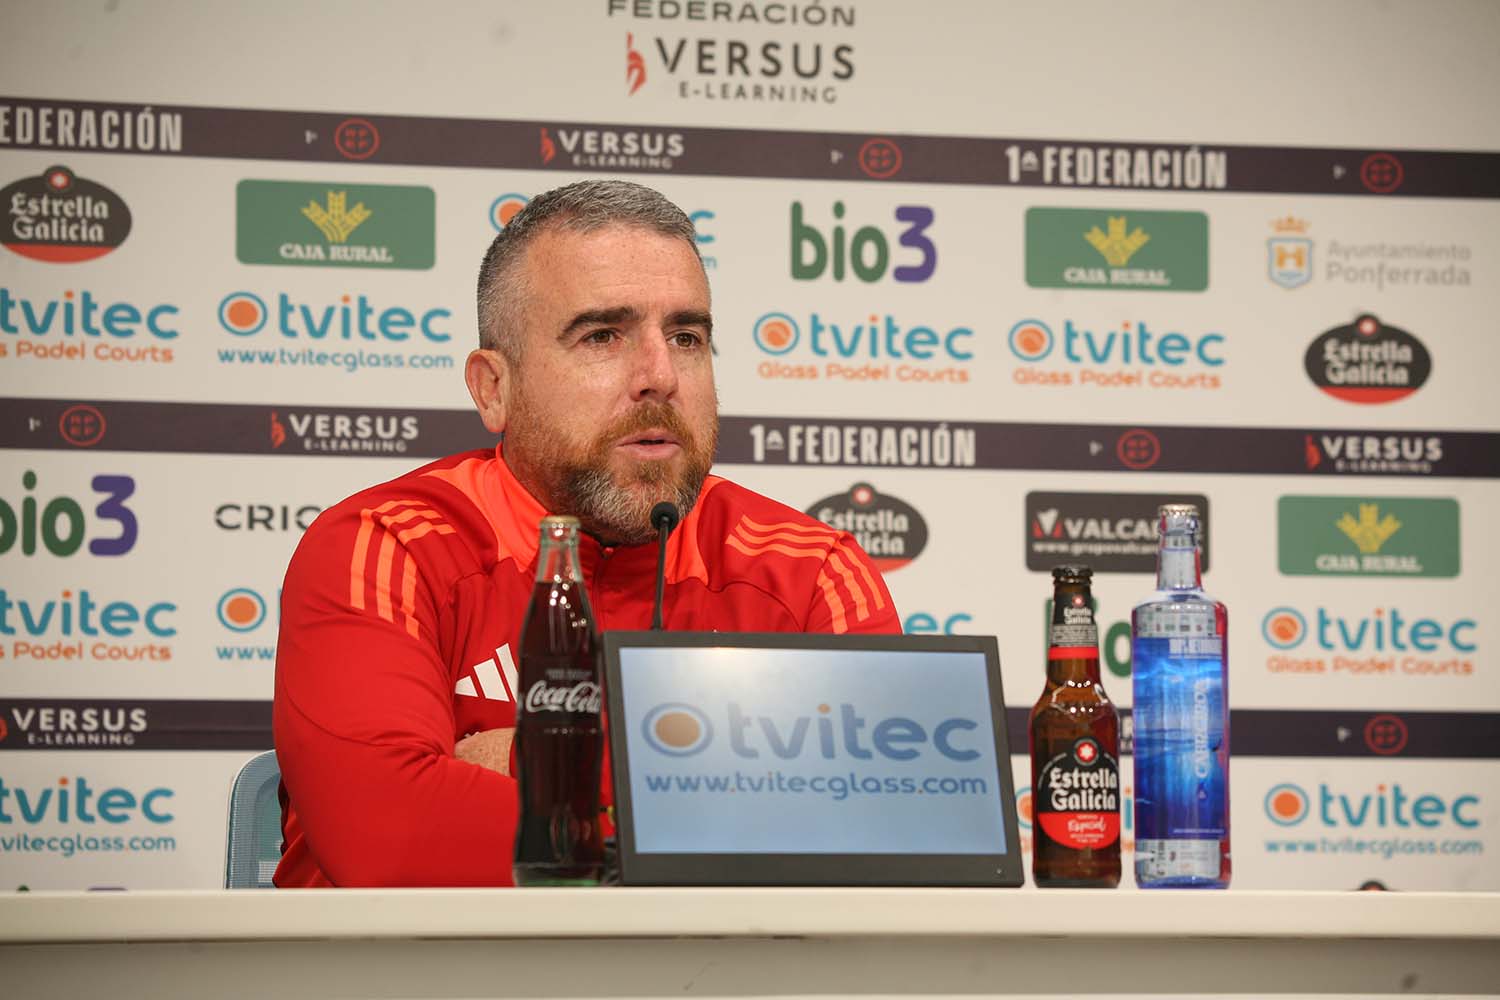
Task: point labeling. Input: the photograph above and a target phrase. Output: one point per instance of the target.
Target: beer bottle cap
(1072, 573)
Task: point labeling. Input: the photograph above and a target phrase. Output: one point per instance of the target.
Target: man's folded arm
(364, 725)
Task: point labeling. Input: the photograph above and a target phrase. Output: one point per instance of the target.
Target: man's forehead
(593, 268)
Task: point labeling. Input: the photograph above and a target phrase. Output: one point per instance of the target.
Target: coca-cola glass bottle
(559, 722)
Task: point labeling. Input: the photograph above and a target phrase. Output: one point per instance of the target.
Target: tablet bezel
(999, 869)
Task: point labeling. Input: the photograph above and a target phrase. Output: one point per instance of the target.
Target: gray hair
(580, 207)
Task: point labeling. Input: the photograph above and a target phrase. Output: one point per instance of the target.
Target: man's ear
(487, 374)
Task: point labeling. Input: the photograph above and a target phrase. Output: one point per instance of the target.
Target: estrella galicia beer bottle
(559, 722)
(1075, 750)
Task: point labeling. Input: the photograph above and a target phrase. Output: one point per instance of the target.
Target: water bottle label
(1180, 740)
(1163, 859)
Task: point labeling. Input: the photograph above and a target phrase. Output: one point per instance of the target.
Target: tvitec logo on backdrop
(1384, 821)
(347, 334)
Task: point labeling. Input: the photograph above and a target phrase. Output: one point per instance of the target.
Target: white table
(746, 943)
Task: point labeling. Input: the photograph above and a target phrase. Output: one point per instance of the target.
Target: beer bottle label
(1077, 799)
(1076, 637)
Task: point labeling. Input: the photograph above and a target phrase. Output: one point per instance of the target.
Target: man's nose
(654, 375)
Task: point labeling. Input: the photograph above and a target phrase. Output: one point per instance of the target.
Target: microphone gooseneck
(664, 517)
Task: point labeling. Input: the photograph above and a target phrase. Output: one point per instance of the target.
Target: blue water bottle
(1179, 639)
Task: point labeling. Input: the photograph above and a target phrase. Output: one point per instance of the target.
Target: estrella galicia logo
(1368, 362)
(889, 529)
(677, 729)
(62, 218)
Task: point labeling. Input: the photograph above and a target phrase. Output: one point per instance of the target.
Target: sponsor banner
(112, 820)
(1367, 262)
(1368, 536)
(1116, 249)
(1368, 362)
(70, 724)
(225, 428)
(1380, 646)
(234, 133)
(303, 224)
(1111, 532)
(1274, 732)
(891, 531)
(813, 441)
(1365, 824)
(62, 218)
(233, 429)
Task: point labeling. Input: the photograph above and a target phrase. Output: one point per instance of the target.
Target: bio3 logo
(678, 729)
(60, 526)
(867, 253)
(1384, 807)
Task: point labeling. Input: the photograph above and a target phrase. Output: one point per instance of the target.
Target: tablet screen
(743, 751)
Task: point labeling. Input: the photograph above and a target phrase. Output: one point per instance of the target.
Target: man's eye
(687, 338)
(603, 336)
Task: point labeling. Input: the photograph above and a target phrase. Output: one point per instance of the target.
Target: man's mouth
(651, 443)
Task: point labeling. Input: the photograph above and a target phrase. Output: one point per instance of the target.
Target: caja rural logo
(1368, 362)
(678, 729)
(889, 529)
(62, 218)
(877, 349)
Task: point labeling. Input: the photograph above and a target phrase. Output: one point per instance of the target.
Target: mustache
(647, 416)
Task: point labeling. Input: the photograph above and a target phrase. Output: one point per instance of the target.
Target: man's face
(612, 405)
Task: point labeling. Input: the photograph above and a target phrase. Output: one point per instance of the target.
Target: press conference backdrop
(989, 282)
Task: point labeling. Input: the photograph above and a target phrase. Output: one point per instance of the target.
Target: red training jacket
(399, 617)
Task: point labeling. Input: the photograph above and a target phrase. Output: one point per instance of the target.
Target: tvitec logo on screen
(678, 729)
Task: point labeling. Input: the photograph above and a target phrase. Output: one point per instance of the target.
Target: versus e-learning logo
(1134, 356)
(678, 729)
(875, 349)
(1383, 807)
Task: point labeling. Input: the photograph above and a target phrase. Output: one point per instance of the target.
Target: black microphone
(664, 517)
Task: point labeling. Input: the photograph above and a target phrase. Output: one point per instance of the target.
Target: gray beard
(622, 514)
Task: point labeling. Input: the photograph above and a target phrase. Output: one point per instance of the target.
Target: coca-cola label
(1077, 798)
(583, 698)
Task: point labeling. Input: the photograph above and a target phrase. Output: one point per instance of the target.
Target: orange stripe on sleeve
(861, 607)
(383, 577)
(835, 605)
(870, 584)
(357, 562)
(409, 594)
(760, 550)
(809, 532)
(422, 528)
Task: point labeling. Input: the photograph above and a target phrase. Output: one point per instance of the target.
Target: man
(395, 673)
